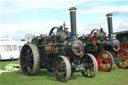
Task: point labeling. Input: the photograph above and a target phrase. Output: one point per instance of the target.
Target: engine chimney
(73, 22)
(110, 27)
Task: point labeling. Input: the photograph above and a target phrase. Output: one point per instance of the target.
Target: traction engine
(58, 53)
(105, 48)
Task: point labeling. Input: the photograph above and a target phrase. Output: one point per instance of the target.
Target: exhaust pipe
(110, 27)
(73, 22)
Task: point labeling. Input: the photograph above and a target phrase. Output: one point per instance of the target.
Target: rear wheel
(29, 59)
(123, 53)
(105, 61)
(90, 65)
(62, 68)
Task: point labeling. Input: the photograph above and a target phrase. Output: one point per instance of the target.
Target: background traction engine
(123, 38)
(106, 49)
(59, 53)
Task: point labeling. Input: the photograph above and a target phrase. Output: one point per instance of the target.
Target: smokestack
(73, 22)
(110, 27)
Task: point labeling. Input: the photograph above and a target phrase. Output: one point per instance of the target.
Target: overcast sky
(19, 17)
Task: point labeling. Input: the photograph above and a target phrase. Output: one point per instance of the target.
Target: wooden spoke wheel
(123, 53)
(90, 65)
(62, 68)
(29, 59)
(105, 61)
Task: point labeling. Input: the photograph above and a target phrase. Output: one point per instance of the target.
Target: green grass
(3, 63)
(115, 77)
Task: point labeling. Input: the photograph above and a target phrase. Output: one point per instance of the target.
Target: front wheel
(90, 65)
(62, 68)
(105, 61)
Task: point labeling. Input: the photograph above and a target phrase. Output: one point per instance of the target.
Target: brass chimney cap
(72, 9)
(109, 15)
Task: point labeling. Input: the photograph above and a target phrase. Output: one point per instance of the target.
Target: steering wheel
(52, 33)
(93, 34)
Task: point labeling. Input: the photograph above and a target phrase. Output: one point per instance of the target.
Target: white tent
(8, 49)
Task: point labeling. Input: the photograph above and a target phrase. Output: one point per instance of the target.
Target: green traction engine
(123, 38)
(105, 48)
(58, 53)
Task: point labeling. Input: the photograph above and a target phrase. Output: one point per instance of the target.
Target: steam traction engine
(59, 53)
(106, 49)
(123, 38)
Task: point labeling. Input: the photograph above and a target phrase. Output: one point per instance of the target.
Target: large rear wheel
(90, 65)
(123, 53)
(62, 68)
(29, 59)
(105, 61)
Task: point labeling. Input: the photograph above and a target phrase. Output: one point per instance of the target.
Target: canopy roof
(121, 32)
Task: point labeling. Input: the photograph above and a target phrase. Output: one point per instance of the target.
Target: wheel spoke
(25, 65)
(92, 69)
(85, 70)
(90, 72)
(106, 66)
(122, 64)
(30, 55)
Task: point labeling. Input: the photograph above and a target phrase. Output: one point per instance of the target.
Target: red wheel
(105, 61)
(124, 45)
(93, 34)
(123, 53)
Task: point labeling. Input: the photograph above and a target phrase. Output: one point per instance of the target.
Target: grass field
(115, 77)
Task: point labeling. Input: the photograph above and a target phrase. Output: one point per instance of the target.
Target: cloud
(121, 25)
(51, 3)
(42, 26)
(104, 9)
(118, 25)
(18, 5)
(17, 31)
